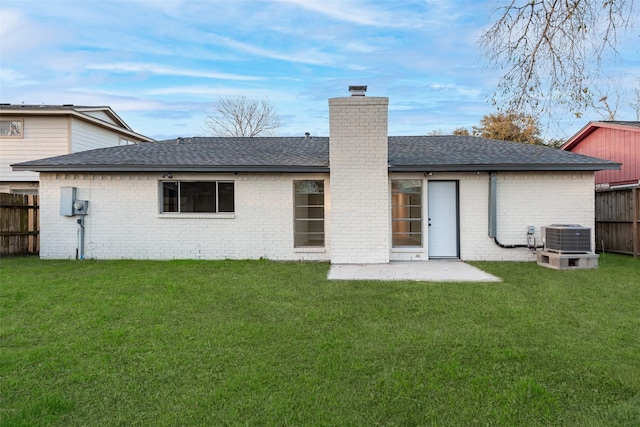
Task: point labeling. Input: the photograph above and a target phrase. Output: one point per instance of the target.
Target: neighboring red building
(612, 140)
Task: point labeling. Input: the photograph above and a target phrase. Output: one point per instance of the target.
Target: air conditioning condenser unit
(566, 238)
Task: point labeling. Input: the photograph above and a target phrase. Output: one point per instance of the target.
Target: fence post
(635, 202)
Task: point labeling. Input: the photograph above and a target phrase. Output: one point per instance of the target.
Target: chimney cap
(357, 90)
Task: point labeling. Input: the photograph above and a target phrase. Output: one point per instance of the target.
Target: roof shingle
(300, 154)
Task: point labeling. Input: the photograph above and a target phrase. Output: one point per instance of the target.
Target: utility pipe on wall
(493, 204)
(80, 250)
(493, 216)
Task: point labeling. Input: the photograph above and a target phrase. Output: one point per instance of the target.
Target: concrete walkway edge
(427, 271)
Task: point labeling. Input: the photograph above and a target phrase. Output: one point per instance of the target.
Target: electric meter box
(80, 207)
(67, 198)
(69, 205)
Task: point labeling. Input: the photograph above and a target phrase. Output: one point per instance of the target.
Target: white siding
(48, 137)
(87, 136)
(102, 116)
(43, 137)
(123, 219)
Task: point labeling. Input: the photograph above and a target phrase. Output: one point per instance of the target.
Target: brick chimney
(359, 184)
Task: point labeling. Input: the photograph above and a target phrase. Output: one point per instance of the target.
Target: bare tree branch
(607, 104)
(551, 51)
(240, 116)
(635, 101)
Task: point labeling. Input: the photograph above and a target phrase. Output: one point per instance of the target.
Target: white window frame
(397, 209)
(11, 126)
(298, 221)
(182, 214)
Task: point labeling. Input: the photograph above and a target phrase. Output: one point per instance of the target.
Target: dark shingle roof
(198, 154)
(43, 107)
(622, 123)
(299, 154)
(470, 153)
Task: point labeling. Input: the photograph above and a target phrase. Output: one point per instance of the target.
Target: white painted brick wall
(360, 197)
(123, 219)
(524, 199)
(124, 222)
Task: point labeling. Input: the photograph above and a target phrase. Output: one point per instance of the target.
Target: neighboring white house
(357, 196)
(29, 132)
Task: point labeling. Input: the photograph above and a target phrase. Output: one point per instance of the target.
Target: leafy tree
(461, 132)
(517, 127)
(551, 50)
(240, 116)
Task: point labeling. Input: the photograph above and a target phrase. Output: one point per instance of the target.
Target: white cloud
(358, 13)
(358, 46)
(208, 91)
(22, 37)
(306, 56)
(10, 77)
(455, 89)
(129, 67)
(10, 21)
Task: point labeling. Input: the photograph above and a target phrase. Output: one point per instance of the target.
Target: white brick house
(358, 196)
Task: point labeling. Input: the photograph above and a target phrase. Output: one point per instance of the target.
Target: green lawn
(99, 343)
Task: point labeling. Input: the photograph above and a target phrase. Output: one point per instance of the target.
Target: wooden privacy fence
(19, 224)
(618, 221)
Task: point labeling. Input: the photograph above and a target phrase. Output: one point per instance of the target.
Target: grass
(267, 343)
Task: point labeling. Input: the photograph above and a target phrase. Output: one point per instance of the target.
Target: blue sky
(161, 64)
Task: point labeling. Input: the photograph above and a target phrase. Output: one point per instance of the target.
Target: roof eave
(505, 167)
(168, 168)
(80, 114)
(109, 111)
(579, 136)
(310, 169)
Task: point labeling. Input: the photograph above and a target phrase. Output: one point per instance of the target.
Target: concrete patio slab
(427, 271)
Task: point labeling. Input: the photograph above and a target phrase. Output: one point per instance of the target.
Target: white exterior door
(443, 219)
